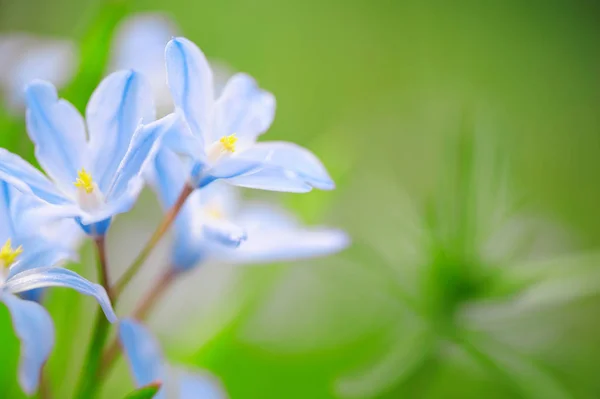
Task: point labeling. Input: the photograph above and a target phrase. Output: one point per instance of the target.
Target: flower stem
(45, 391)
(154, 294)
(103, 272)
(140, 313)
(87, 383)
(88, 380)
(156, 236)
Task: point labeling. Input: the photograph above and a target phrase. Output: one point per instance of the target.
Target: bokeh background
(464, 138)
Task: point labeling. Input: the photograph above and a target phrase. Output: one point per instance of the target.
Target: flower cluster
(95, 168)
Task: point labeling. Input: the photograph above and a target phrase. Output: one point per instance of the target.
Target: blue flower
(210, 227)
(89, 180)
(27, 262)
(222, 133)
(148, 365)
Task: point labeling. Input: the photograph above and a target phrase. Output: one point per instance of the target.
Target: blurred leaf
(146, 392)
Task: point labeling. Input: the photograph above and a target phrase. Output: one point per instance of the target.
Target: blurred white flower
(26, 57)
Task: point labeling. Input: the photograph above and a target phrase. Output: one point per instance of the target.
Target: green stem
(145, 306)
(87, 388)
(87, 383)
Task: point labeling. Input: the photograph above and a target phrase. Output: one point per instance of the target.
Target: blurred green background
(464, 138)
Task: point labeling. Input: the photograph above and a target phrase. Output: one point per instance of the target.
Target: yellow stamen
(84, 181)
(228, 142)
(8, 255)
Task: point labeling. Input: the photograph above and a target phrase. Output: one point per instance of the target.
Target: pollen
(228, 142)
(84, 181)
(8, 254)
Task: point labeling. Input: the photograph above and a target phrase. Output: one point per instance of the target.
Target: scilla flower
(210, 227)
(222, 133)
(27, 261)
(90, 177)
(148, 365)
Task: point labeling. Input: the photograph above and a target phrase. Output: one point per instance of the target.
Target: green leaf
(146, 392)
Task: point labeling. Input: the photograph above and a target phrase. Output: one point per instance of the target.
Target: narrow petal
(243, 109)
(121, 102)
(40, 253)
(35, 330)
(183, 141)
(142, 150)
(58, 131)
(7, 227)
(143, 353)
(59, 277)
(272, 179)
(279, 245)
(20, 174)
(36, 295)
(191, 83)
(293, 158)
(227, 168)
(167, 177)
(34, 217)
(199, 385)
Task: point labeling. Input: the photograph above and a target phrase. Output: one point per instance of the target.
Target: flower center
(84, 181)
(228, 143)
(224, 146)
(8, 254)
(89, 196)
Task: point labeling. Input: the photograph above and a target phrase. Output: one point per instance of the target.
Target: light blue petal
(20, 174)
(181, 140)
(224, 232)
(196, 385)
(143, 353)
(7, 227)
(58, 131)
(36, 295)
(59, 277)
(40, 253)
(278, 245)
(167, 177)
(35, 330)
(99, 227)
(227, 168)
(272, 179)
(191, 83)
(33, 216)
(243, 109)
(293, 158)
(143, 148)
(121, 102)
